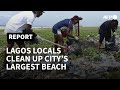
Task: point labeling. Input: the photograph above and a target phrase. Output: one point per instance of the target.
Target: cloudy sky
(49, 18)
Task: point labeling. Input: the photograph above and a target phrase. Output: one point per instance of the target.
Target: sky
(49, 18)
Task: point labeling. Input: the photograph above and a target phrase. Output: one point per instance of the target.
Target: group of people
(23, 21)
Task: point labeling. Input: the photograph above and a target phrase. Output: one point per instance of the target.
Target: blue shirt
(65, 22)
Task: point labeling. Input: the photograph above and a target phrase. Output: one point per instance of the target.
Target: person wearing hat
(59, 33)
(105, 31)
(21, 23)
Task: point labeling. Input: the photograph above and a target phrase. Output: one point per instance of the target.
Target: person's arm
(28, 29)
(70, 33)
(28, 26)
(70, 30)
(29, 23)
(114, 29)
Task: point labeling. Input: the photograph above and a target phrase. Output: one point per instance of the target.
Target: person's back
(105, 26)
(17, 23)
(65, 22)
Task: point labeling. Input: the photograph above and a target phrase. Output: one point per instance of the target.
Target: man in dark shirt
(105, 30)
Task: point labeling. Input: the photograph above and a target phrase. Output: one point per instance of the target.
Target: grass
(47, 34)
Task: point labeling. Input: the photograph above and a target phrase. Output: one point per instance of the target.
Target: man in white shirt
(20, 23)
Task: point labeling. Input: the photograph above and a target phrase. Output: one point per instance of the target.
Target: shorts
(57, 32)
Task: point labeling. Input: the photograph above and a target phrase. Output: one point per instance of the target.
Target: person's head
(114, 23)
(38, 13)
(75, 19)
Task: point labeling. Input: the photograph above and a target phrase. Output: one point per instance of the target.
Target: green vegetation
(90, 52)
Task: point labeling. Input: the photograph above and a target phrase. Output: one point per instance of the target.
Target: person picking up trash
(59, 33)
(107, 29)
